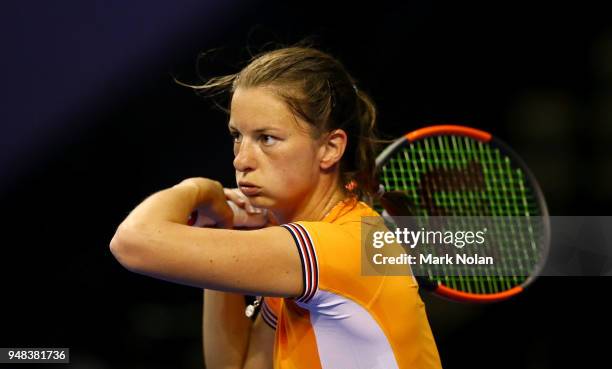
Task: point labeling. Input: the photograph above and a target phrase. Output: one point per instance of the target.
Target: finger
(253, 210)
(235, 196)
(246, 220)
(239, 198)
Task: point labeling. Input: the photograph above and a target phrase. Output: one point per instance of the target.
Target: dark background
(92, 123)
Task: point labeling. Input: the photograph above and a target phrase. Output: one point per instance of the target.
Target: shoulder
(343, 225)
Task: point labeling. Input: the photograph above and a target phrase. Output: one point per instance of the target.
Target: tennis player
(303, 145)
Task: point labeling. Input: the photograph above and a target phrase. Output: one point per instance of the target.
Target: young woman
(303, 146)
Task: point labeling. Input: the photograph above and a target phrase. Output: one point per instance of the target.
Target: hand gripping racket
(456, 171)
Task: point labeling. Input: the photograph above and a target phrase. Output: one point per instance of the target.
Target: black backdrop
(92, 123)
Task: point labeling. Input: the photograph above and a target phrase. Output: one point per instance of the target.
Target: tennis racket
(459, 172)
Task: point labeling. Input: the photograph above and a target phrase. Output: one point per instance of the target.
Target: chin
(260, 201)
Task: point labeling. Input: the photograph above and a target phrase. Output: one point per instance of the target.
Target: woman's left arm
(154, 240)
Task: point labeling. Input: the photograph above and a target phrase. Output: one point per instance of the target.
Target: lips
(249, 189)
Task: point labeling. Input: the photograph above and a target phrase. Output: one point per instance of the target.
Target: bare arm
(231, 340)
(225, 330)
(154, 240)
(261, 346)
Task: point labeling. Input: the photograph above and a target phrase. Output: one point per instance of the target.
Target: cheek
(297, 169)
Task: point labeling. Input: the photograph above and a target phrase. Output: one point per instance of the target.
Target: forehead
(257, 107)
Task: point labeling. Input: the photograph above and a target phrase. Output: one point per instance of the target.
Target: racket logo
(439, 179)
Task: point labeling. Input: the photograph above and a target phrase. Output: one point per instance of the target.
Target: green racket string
(457, 176)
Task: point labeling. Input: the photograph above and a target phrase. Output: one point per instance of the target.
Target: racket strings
(472, 182)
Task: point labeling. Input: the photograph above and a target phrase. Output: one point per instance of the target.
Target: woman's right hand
(245, 214)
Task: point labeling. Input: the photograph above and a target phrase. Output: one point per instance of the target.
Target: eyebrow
(258, 130)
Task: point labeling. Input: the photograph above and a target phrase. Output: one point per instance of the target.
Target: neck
(315, 207)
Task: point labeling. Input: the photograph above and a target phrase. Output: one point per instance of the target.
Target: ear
(332, 148)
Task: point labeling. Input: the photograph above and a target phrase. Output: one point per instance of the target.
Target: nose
(244, 157)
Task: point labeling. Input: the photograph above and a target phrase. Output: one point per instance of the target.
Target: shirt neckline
(341, 208)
